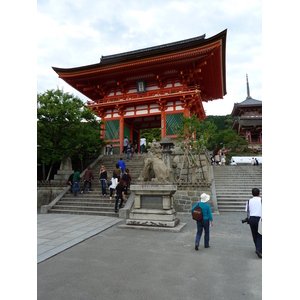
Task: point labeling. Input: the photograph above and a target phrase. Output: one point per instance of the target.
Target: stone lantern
(166, 144)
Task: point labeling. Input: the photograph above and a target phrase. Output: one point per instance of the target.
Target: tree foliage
(65, 127)
(151, 134)
(228, 139)
(196, 133)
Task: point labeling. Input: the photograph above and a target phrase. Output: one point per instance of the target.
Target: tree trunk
(201, 167)
(81, 164)
(44, 171)
(49, 172)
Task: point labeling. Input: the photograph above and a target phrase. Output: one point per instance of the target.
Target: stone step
(84, 207)
(232, 206)
(234, 202)
(85, 212)
(237, 176)
(231, 209)
(230, 193)
(238, 184)
(93, 203)
(87, 204)
(234, 186)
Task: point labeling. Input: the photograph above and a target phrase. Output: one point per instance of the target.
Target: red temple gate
(152, 87)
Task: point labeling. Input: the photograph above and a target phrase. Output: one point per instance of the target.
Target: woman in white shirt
(112, 187)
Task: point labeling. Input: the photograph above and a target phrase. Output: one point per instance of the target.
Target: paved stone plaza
(111, 262)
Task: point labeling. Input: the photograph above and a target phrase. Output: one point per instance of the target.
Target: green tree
(193, 146)
(65, 127)
(228, 139)
(222, 122)
(150, 134)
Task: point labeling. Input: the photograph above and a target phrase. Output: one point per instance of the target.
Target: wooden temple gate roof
(191, 70)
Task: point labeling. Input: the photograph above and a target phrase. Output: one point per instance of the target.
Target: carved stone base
(153, 206)
(153, 217)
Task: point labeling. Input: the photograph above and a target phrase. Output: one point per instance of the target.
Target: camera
(246, 220)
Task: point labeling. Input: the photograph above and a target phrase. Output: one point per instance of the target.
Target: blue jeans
(103, 186)
(200, 226)
(76, 187)
(128, 152)
(85, 183)
(142, 148)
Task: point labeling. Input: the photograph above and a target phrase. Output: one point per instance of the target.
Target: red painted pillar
(163, 124)
(121, 132)
(102, 129)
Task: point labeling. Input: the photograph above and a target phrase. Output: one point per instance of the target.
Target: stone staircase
(234, 185)
(94, 203)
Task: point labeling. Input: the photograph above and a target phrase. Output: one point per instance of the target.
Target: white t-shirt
(143, 141)
(255, 207)
(114, 182)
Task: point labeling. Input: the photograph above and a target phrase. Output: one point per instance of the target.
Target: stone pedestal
(65, 170)
(153, 206)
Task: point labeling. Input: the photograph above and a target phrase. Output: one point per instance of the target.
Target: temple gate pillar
(163, 124)
(121, 132)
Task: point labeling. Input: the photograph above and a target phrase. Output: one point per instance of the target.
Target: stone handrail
(45, 208)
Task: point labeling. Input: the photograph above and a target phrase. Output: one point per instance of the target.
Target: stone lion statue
(154, 170)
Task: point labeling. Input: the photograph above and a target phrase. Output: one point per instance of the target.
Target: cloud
(77, 33)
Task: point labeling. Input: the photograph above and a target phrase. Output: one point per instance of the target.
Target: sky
(77, 33)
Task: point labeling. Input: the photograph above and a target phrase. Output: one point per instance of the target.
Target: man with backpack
(207, 217)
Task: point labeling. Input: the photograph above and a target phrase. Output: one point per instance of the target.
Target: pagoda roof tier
(247, 105)
(193, 68)
(250, 122)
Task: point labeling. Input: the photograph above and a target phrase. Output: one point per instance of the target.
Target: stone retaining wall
(46, 194)
(188, 173)
(186, 197)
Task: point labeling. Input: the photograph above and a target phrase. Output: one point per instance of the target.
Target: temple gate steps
(94, 203)
(234, 185)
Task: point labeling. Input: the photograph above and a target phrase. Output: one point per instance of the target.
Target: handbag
(197, 214)
(259, 230)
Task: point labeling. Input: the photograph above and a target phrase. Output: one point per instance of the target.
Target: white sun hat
(204, 197)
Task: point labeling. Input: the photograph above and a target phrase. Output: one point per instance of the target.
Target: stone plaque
(154, 202)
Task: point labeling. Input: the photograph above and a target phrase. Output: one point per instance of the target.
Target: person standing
(70, 182)
(120, 191)
(126, 180)
(207, 220)
(103, 179)
(135, 146)
(117, 171)
(122, 165)
(76, 179)
(143, 144)
(129, 150)
(254, 210)
(217, 157)
(125, 144)
(223, 159)
(111, 149)
(88, 177)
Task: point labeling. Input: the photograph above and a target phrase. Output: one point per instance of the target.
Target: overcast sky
(77, 33)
